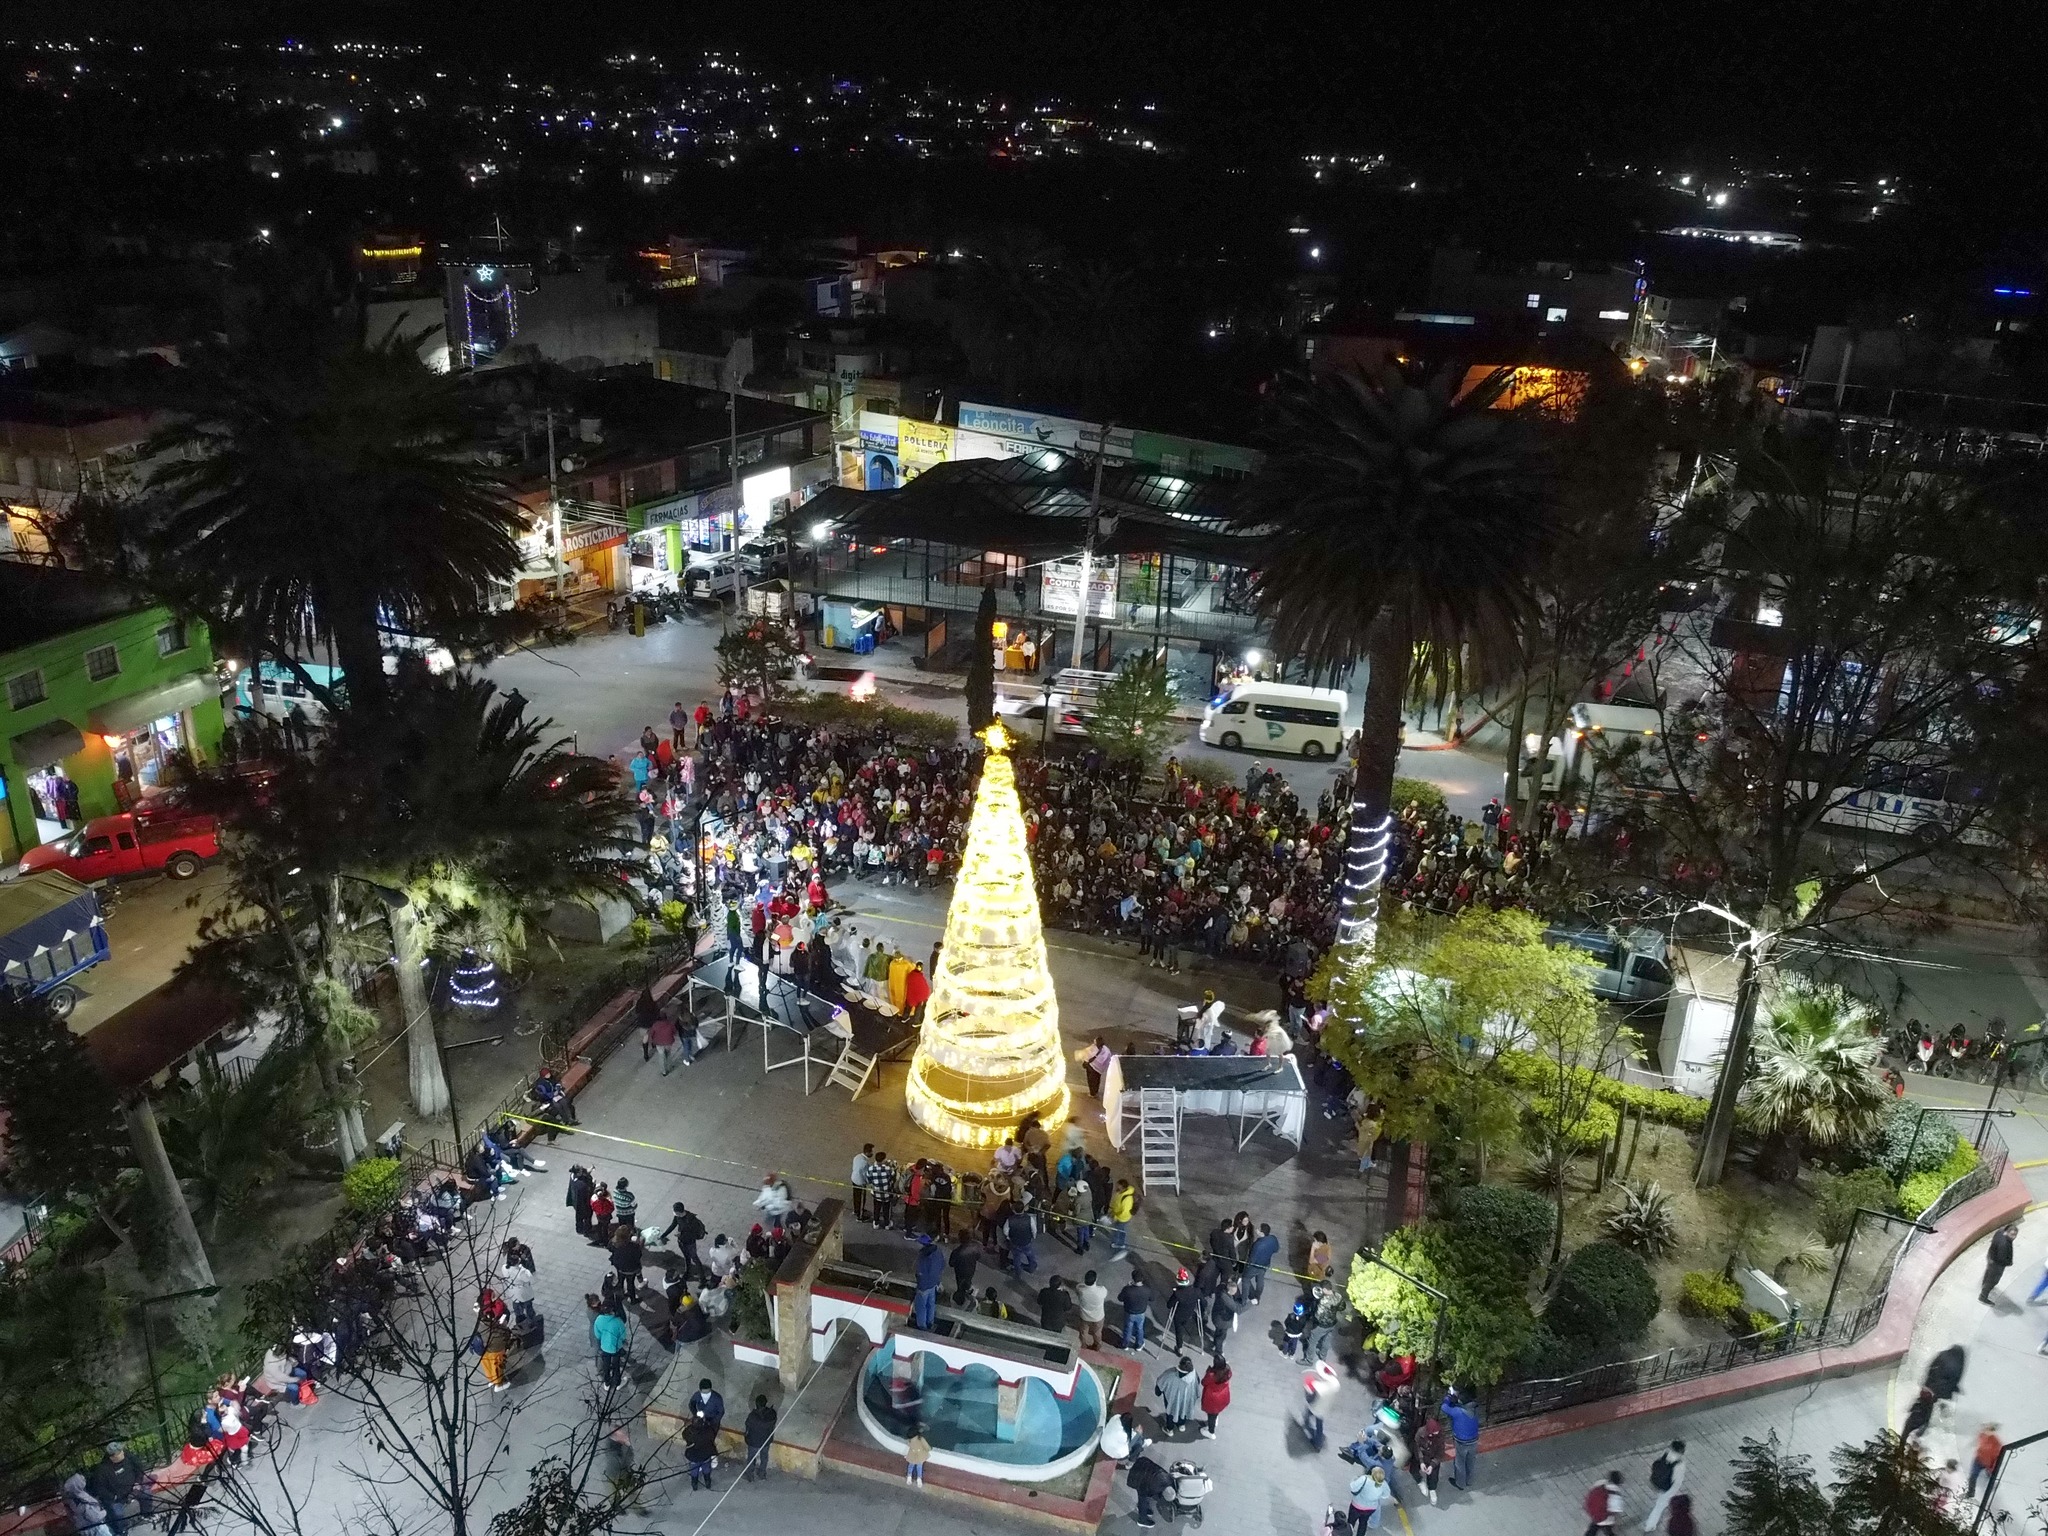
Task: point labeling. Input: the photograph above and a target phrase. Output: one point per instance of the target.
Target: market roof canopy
(1037, 504)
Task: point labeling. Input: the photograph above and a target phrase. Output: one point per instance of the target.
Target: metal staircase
(852, 1071)
(1159, 1138)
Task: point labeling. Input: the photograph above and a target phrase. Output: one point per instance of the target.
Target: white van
(714, 575)
(1278, 717)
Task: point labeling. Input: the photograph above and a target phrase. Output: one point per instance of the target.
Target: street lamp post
(1443, 1302)
(156, 1391)
(1841, 1264)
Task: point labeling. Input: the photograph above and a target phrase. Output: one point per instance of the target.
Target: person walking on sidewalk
(1123, 1202)
(862, 1161)
(1179, 1394)
(1091, 1304)
(1604, 1504)
(1998, 1260)
(1369, 1493)
(1431, 1444)
(1667, 1477)
(760, 1432)
(965, 1258)
(931, 1269)
(1985, 1462)
(916, 1452)
(1319, 1385)
(661, 1040)
(1258, 1263)
(1215, 1395)
(1136, 1300)
(1464, 1424)
(609, 1330)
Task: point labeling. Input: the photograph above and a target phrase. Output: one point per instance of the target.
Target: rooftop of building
(638, 417)
(44, 602)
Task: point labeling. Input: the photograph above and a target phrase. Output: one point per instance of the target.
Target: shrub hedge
(1604, 1296)
(1593, 1129)
(1519, 1220)
(1489, 1319)
(1930, 1138)
(371, 1186)
(1708, 1293)
(1835, 1201)
(1923, 1189)
(1421, 791)
(1533, 1074)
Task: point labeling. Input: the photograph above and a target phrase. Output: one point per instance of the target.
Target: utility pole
(1088, 546)
(555, 508)
(732, 430)
(1756, 954)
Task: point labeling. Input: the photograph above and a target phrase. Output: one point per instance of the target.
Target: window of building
(102, 662)
(704, 463)
(1535, 300)
(25, 688)
(1554, 314)
(171, 638)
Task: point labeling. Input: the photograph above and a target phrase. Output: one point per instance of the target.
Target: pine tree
(990, 1052)
(1774, 1494)
(1885, 1487)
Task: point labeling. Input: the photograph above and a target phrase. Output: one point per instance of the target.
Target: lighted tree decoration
(989, 1054)
(474, 983)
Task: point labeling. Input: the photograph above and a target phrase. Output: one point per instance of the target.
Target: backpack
(1596, 1504)
(1660, 1473)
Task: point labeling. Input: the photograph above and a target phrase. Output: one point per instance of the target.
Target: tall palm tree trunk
(423, 1046)
(187, 1254)
(1372, 795)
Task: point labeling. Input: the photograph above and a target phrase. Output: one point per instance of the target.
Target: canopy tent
(1258, 1090)
(1038, 505)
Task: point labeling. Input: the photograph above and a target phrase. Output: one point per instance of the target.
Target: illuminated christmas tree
(990, 1053)
(474, 982)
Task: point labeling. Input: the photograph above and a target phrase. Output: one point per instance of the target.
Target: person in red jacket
(917, 991)
(1215, 1394)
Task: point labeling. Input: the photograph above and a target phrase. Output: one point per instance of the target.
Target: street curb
(1883, 1345)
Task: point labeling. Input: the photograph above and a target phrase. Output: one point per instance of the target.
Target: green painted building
(101, 688)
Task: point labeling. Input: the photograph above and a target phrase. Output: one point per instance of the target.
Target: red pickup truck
(116, 847)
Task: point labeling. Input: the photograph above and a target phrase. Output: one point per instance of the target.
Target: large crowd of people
(1177, 866)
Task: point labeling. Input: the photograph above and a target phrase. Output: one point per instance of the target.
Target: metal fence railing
(1528, 1399)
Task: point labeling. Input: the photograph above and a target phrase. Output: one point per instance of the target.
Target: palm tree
(1815, 1074)
(445, 806)
(1404, 524)
(319, 493)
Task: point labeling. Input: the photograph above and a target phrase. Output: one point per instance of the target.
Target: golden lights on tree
(989, 1054)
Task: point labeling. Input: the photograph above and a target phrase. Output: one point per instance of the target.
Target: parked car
(174, 843)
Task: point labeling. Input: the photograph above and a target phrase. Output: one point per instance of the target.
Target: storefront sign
(582, 538)
(877, 430)
(1031, 430)
(1059, 586)
(921, 444)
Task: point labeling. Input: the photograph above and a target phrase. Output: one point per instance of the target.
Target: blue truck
(51, 931)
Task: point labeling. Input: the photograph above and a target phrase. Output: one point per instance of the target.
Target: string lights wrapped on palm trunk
(989, 1054)
(1365, 871)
